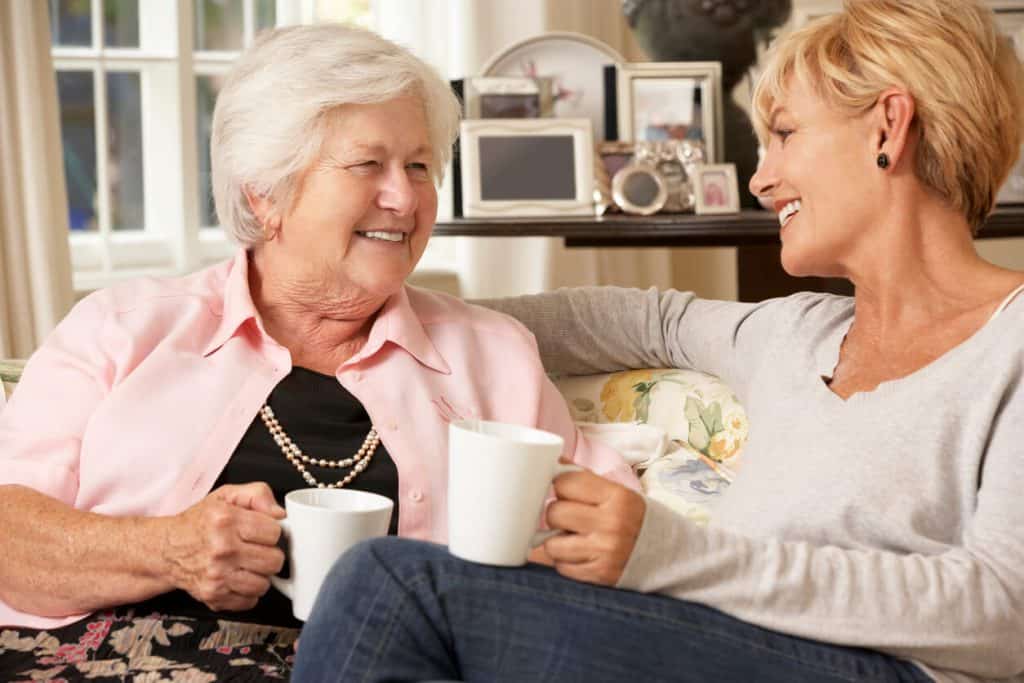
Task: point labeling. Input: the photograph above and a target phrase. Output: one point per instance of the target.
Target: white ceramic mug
(498, 477)
(321, 525)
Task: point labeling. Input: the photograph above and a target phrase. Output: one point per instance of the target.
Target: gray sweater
(892, 520)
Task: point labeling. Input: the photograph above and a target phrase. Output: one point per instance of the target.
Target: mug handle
(541, 536)
(282, 584)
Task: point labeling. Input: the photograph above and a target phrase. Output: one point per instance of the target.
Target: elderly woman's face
(820, 173)
(365, 210)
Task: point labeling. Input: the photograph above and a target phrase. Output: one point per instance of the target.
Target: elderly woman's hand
(603, 521)
(223, 549)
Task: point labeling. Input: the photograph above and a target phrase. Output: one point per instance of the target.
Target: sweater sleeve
(590, 330)
(961, 610)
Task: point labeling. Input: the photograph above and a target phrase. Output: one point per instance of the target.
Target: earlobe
(897, 109)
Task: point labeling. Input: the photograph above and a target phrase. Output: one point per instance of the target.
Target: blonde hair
(270, 119)
(964, 76)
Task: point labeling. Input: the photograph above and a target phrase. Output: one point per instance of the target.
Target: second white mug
(321, 525)
(498, 477)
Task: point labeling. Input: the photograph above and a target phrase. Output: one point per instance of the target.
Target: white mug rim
(375, 502)
(528, 436)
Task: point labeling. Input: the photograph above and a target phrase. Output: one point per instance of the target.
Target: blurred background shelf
(670, 230)
(754, 233)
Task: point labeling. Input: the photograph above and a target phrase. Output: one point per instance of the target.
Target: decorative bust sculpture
(723, 31)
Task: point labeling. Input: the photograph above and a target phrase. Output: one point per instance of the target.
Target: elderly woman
(876, 531)
(150, 443)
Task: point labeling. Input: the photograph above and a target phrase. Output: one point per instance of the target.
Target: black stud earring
(883, 160)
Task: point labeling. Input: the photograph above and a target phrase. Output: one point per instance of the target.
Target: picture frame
(609, 158)
(614, 154)
(527, 167)
(574, 62)
(639, 189)
(715, 189)
(666, 100)
(1010, 17)
(508, 97)
(809, 10)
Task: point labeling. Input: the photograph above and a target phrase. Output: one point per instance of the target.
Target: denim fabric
(399, 610)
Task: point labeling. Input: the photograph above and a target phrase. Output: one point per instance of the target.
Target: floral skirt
(122, 645)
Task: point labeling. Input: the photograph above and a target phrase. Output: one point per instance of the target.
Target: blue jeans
(399, 610)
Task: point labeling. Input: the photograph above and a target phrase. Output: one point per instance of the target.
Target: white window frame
(172, 241)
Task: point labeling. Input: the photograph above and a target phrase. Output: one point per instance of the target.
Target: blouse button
(416, 496)
(357, 376)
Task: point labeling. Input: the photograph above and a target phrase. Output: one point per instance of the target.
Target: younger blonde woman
(876, 533)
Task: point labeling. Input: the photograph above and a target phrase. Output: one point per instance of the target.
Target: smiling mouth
(788, 211)
(383, 236)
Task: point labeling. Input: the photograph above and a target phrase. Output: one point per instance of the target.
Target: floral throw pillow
(700, 414)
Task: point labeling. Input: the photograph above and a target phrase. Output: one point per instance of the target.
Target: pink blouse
(138, 399)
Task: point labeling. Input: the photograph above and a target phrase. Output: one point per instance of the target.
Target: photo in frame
(527, 167)
(1010, 17)
(508, 97)
(715, 189)
(574, 63)
(671, 101)
(609, 158)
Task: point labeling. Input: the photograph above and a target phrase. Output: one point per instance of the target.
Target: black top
(325, 421)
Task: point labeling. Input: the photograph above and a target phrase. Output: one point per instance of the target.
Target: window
(137, 81)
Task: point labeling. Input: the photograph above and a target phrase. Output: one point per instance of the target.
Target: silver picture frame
(686, 95)
(527, 167)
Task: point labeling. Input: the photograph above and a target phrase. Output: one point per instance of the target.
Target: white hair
(269, 122)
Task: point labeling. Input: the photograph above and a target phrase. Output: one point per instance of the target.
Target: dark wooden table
(756, 233)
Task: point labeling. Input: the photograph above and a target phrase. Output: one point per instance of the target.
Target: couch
(706, 428)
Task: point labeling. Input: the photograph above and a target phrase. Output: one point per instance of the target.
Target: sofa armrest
(10, 373)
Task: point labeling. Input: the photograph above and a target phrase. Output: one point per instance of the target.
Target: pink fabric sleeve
(42, 426)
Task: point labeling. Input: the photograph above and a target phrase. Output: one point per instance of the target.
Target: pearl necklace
(296, 457)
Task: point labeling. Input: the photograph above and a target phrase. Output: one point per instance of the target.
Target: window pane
(219, 24)
(356, 12)
(70, 23)
(266, 14)
(124, 151)
(121, 23)
(207, 88)
(78, 137)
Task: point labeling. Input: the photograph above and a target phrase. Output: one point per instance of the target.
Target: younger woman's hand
(602, 520)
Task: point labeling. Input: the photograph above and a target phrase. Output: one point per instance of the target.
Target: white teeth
(789, 210)
(387, 236)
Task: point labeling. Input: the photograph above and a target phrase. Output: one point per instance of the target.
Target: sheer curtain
(35, 264)
(458, 37)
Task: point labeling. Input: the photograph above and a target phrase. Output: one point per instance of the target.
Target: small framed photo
(671, 101)
(508, 97)
(527, 167)
(614, 155)
(715, 189)
(610, 158)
